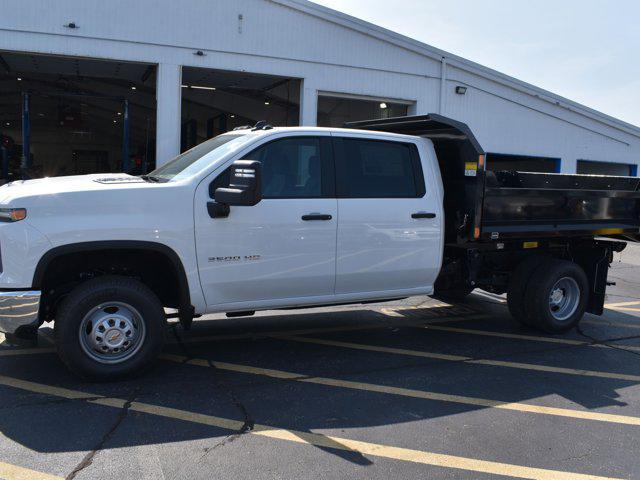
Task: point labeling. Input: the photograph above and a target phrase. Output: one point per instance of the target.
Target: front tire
(110, 328)
(556, 296)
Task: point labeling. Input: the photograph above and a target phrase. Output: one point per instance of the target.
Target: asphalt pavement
(410, 389)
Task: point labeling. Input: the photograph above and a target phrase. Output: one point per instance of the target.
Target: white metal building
(93, 85)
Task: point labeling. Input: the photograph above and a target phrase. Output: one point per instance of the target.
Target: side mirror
(245, 188)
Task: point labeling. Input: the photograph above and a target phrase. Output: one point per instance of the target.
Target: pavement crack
(606, 343)
(50, 401)
(248, 422)
(89, 457)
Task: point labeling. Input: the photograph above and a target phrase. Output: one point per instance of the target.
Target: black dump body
(489, 206)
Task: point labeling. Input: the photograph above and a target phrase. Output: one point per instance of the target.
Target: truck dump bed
(484, 206)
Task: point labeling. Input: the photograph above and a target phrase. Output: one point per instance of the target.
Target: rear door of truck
(389, 217)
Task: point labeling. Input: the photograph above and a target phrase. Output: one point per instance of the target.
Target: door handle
(316, 216)
(423, 215)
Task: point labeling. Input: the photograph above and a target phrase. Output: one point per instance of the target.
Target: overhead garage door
(606, 168)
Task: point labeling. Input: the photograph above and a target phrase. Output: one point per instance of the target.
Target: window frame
(327, 166)
(341, 180)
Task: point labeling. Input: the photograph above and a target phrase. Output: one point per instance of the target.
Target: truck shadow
(215, 386)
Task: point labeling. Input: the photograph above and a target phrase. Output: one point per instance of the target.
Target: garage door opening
(67, 116)
(215, 102)
(334, 110)
(591, 167)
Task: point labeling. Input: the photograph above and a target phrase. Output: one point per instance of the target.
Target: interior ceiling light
(267, 103)
(383, 105)
(133, 88)
(8, 124)
(232, 116)
(119, 113)
(198, 87)
(19, 79)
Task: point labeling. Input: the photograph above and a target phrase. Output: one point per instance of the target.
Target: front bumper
(19, 311)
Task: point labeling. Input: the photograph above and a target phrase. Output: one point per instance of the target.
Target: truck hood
(24, 189)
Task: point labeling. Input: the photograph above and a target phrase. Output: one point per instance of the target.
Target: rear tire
(556, 297)
(110, 328)
(518, 282)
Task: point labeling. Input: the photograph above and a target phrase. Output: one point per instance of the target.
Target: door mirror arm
(218, 210)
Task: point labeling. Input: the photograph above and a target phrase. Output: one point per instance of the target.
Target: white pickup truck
(267, 218)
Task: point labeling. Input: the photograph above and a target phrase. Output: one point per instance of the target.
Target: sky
(585, 50)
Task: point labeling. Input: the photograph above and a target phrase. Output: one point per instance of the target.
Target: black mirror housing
(245, 185)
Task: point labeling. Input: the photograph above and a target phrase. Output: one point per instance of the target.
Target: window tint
(378, 169)
(291, 168)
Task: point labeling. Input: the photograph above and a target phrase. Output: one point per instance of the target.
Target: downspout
(443, 84)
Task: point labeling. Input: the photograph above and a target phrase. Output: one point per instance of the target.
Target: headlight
(12, 214)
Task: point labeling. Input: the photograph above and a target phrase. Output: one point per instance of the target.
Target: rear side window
(378, 169)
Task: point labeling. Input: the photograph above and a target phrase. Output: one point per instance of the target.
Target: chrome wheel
(112, 333)
(564, 298)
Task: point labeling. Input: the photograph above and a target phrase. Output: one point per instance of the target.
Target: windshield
(199, 157)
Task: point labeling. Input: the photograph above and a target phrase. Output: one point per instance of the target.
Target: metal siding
(275, 39)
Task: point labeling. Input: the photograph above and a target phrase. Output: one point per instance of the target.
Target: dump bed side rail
(525, 204)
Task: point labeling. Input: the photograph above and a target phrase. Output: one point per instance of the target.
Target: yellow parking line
(460, 358)
(10, 352)
(13, 472)
(311, 331)
(317, 439)
(518, 336)
(621, 304)
(406, 392)
(626, 309)
(609, 323)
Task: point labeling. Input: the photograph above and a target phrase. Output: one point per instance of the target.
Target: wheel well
(61, 271)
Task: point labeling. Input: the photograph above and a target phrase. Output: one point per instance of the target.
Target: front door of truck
(390, 219)
(284, 247)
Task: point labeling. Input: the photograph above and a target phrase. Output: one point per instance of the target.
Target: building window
(335, 111)
(522, 163)
(590, 167)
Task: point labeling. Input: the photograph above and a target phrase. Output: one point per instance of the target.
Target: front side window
(291, 168)
(378, 169)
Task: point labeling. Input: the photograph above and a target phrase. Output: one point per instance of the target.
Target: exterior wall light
(461, 90)
(383, 105)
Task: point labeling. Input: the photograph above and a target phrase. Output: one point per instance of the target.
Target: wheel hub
(557, 295)
(112, 333)
(564, 298)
